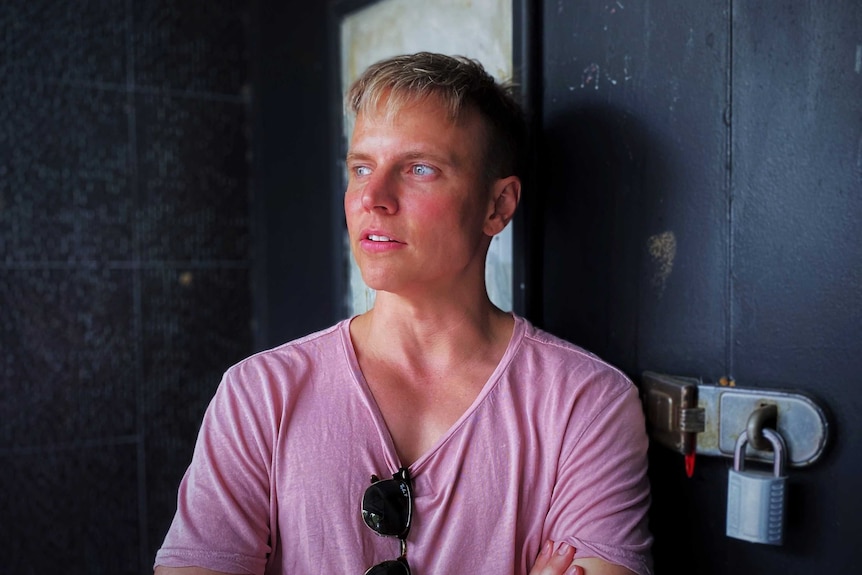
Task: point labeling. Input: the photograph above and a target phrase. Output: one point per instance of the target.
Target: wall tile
(196, 46)
(193, 179)
(67, 367)
(70, 511)
(64, 178)
(69, 41)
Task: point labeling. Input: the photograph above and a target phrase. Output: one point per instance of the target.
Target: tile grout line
(137, 295)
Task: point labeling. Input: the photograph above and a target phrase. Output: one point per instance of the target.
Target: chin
(389, 284)
(377, 282)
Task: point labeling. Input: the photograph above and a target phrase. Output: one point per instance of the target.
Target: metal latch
(686, 412)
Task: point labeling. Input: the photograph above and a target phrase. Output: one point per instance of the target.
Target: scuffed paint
(612, 8)
(591, 76)
(662, 248)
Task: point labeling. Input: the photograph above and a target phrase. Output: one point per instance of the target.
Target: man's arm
(560, 562)
(596, 566)
(556, 561)
(161, 570)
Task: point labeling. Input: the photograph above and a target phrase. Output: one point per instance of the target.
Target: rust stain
(662, 248)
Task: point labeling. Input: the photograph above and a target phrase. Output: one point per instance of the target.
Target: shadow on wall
(601, 171)
(605, 176)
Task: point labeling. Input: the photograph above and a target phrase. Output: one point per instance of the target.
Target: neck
(431, 336)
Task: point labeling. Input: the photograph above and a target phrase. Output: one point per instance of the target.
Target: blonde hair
(458, 82)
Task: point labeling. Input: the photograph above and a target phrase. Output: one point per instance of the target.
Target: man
(500, 448)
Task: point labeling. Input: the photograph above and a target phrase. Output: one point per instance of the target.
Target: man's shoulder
(551, 343)
(318, 346)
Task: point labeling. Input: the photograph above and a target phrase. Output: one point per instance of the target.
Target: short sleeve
(602, 495)
(223, 507)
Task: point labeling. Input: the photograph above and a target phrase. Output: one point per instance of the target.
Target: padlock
(755, 499)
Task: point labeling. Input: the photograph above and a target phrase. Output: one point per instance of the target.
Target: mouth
(378, 243)
(380, 239)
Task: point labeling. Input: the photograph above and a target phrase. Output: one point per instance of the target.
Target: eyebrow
(410, 155)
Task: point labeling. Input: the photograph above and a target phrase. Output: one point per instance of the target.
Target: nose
(380, 193)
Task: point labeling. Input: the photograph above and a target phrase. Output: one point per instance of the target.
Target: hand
(556, 561)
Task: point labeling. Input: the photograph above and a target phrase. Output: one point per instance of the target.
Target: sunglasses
(387, 508)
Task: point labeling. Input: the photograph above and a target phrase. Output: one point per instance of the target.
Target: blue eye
(422, 170)
(362, 170)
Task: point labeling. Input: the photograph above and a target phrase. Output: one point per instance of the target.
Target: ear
(506, 194)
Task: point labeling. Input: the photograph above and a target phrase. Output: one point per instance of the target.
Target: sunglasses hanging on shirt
(387, 507)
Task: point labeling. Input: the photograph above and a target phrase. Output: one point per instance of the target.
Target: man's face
(416, 201)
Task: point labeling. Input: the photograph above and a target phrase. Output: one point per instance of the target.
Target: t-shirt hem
(226, 562)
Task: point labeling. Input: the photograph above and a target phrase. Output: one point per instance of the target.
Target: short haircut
(460, 83)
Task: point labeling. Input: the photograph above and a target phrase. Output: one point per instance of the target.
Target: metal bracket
(685, 413)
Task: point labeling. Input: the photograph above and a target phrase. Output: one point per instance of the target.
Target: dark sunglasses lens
(396, 567)
(386, 509)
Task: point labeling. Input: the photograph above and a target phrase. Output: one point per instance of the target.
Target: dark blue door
(701, 192)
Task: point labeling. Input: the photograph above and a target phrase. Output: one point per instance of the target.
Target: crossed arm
(551, 561)
(560, 561)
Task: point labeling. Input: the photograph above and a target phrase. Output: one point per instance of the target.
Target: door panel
(701, 191)
(623, 97)
(797, 247)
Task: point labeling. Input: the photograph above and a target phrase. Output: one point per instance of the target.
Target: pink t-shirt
(553, 447)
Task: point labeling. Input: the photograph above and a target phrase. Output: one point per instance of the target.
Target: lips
(378, 236)
(378, 242)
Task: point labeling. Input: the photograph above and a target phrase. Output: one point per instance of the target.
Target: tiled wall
(124, 266)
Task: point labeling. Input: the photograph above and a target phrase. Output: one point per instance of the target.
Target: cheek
(453, 222)
(472, 215)
(352, 205)
(437, 217)
(435, 208)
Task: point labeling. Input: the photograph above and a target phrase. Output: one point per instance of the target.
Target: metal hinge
(689, 415)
